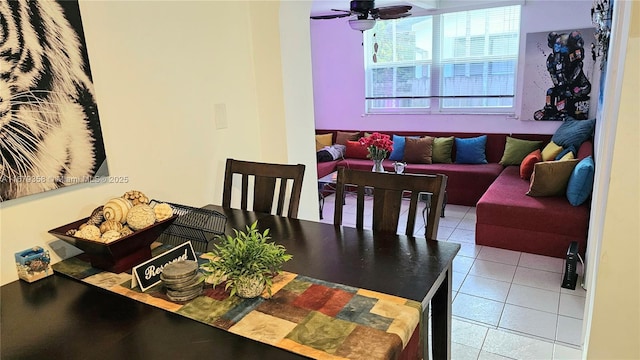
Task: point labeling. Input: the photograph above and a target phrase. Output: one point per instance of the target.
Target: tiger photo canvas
(50, 135)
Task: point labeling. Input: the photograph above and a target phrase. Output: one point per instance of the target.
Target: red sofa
(506, 217)
(466, 183)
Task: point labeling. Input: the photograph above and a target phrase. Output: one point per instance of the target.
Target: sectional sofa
(506, 217)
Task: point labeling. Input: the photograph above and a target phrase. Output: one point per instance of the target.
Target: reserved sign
(148, 273)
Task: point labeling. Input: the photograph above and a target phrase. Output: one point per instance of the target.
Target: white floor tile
(572, 306)
(456, 280)
(493, 270)
(468, 334)
(538, 278)
(449, 221)
(561, 352)
(534, 298)
(444, 232)
(462, 235)
(540, 262)
(489, 356)
(485, 288)
(499, 255)
(478, 309)
(463, 352)
(455, 211)
(469, 250)
(569, 330)
(516, 346)
(529, 321)
(462, 263)
(467, 223)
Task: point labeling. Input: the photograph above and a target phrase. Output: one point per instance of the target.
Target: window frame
(436, 102)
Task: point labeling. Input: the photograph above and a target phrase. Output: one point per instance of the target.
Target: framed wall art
(50, 134)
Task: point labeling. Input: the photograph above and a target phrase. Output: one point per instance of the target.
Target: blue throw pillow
(574, 132)
(398, 148)
(471, 150)
(580, 182)
(567, 150)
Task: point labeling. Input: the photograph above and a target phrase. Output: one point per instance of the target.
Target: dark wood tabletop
(58, 317)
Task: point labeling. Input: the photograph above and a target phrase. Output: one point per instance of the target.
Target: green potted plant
(246, 261)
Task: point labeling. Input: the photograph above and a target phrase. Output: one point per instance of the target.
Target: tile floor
(506, 304)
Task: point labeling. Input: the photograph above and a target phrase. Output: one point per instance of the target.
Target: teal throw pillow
(398, 148)
(573, 132)
(471, 150)
(581, 181)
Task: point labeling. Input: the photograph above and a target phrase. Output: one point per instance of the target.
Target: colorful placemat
(311, 317)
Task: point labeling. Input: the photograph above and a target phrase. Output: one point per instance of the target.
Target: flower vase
(377, 166)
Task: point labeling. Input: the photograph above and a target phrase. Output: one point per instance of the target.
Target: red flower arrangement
(379, 145)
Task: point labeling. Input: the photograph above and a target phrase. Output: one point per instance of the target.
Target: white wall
(158, 68)
(338, 77)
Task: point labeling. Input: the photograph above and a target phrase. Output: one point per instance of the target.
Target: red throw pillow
(356, 151)
(527, 164)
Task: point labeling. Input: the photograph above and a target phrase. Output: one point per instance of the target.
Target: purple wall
(338, 77)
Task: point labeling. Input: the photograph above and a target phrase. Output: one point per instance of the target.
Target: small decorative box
(33, 264)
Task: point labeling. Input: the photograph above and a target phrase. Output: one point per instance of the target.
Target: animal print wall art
(50, 134)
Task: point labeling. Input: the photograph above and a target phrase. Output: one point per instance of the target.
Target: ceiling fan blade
(392, 17)
(393, 10)
(330, 16)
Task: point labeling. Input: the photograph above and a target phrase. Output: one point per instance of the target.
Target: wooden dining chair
(263, 179)
(388, 190)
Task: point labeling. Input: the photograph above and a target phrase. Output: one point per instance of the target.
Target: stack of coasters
(182, 280)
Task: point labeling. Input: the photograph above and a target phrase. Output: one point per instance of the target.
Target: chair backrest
(388, 190)
(265, 178)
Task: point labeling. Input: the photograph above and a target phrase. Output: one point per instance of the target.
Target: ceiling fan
(366, 14)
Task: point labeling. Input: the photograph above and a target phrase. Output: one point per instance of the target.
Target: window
(452, 62)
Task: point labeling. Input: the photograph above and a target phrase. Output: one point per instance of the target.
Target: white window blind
(463, 60)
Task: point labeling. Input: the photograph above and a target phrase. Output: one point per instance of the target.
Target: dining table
(62, 318)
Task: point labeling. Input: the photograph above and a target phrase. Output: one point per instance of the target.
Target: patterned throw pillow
(471, 150)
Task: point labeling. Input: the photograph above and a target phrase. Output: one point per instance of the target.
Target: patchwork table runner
(307, 316)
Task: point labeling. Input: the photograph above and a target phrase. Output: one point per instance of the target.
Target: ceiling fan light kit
(362, 24)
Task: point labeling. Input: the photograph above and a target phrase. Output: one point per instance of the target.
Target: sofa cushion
(581, 182)
(471, 150)
(343, 136)
(324, 140)
(573, 132)
(526, 167)
(516, 149)
(418, 150)
(356, 150)
(398, 148)
(565, 151)
(550, 178)
(442, 147)
(550, 151)
(326, 168)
